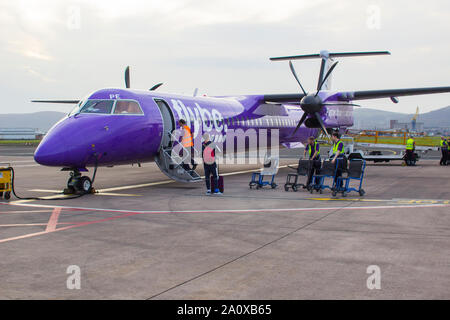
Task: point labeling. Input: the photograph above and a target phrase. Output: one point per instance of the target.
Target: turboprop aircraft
(116, 126)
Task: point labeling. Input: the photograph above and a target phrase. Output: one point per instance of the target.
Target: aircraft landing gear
(78, 184)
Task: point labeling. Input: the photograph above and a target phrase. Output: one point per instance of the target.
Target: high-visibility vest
(410, 144)
(444, 144)
(336, 146)
(187, 140)
(310, 149)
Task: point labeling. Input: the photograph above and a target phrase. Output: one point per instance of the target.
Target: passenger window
(97, 106)
(127, 107)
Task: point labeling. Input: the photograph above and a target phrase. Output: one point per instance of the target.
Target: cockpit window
(127, 107)
(98, 106)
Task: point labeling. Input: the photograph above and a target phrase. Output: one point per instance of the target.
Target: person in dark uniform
(409, 152)
(338, 155)
(312, 151)
(210, 165)
(444, 151)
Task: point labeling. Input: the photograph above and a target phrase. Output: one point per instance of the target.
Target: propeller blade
(319, 118)
(195, 92)
(303, 118)
(156, 86)
(127, 77)
(295, 76)
(326, 76)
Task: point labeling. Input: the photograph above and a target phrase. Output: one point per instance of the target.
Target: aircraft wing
(57, 101)
(293, 98)
(389, 93)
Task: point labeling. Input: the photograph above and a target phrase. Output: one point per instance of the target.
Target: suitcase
(219, 182)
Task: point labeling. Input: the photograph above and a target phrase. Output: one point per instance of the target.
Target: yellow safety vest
(311, 149)
(187, 138)
(410, 144)
(336, 146)
(444, 144)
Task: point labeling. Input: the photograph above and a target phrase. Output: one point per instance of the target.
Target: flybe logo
(200, 118)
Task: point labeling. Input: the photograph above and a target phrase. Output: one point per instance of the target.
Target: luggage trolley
(270, 169)
(328, 170)
(304, 166)
(5, 181)
(355, 172)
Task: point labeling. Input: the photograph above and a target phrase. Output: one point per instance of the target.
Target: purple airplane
(124, 126)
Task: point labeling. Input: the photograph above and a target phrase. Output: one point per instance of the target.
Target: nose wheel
(78, 184)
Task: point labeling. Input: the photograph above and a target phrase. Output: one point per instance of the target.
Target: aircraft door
(168, 122)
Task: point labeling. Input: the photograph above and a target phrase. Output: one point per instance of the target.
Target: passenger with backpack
(210, 166)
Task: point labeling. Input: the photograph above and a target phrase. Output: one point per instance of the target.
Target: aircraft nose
(50, 152)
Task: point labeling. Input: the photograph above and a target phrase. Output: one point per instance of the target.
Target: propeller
(127, 77)
(156, 86)
(127, 80)
(312, 104)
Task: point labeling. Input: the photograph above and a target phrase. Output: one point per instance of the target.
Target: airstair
(171, 164)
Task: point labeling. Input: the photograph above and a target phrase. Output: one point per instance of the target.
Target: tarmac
(144, 236)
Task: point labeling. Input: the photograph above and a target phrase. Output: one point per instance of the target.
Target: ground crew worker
(410, 147)
(444, 150)
(313, 151)
(188, 143)
(338, 155)
(210, 165)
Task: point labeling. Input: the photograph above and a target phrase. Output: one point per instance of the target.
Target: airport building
(395, 124)
(20, 134)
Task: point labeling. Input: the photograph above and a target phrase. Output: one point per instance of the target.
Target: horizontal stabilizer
(325, 54)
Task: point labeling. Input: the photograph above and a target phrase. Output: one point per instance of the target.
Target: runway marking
(348, 199)
(230, 210)
(52, 222)
(29, 235)
(31, 224)
(28, 211)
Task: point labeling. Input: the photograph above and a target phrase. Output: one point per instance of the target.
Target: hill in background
(38, 120)
(366, 118)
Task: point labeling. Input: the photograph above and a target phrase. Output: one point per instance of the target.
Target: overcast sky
(67, 49)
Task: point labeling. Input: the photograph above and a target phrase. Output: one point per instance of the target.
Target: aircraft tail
(327, 62)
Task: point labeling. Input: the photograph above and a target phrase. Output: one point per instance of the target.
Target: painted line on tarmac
(53, 221)
(29, 224)
(230, 210)
(28, 211)
(29, 235)
(350, 199)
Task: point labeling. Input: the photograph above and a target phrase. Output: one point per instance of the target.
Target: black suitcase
(219, 181)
